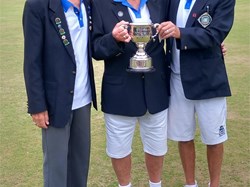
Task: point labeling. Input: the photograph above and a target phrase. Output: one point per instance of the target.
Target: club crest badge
(222, 131)
(120, 13)
(205, 19)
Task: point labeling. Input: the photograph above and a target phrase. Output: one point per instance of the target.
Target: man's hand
(41, 119)
(223, 49)
(120, 32)
(168, 29)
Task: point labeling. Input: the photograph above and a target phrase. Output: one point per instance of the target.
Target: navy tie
(188, 4)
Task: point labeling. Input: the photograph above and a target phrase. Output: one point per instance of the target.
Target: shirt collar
(67, 4)
(136, 12)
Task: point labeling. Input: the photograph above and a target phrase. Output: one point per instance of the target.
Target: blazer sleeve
(197, 37)
(33, 58)
(104, 44)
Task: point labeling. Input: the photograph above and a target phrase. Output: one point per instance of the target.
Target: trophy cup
(141, 34)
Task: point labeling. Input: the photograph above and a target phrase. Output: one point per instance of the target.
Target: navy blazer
(202, 67)
(49, 61)
(126, 93)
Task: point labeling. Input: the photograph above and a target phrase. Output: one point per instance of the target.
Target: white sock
(153, 184)
(129, 185)
(192, 185)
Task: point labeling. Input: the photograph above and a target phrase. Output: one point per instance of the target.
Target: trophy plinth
(140, 62)
(141, 34)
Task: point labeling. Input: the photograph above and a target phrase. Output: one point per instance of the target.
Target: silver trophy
(141, 34)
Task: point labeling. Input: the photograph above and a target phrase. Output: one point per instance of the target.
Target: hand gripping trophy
(141, 34)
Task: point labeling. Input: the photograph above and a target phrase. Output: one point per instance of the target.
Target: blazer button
(74, 72)
(169, 51)
(142, 76)
(71, 92)
(185, 47)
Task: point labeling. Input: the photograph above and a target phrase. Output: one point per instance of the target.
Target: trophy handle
(156, 25)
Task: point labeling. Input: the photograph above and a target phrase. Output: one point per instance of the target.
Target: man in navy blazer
(60, 86)
(128, 97)
(199, 82)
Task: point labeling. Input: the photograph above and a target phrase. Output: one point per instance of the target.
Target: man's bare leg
(122, 168)
(187, 154)
(215, 157)
(154, 166)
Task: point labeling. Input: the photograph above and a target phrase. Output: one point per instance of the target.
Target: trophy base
(149, 70)
(140, 64)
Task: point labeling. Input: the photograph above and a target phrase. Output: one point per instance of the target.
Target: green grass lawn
(20, 140)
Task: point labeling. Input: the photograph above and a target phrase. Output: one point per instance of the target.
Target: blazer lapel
(154, 7)
(121, 12)
(174, 5)
(89, 24)
(194, 12)
(87, 5)
(58, 19)
(173, 10)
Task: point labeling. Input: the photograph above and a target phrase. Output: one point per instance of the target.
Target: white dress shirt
(79, 38)
(181, 20)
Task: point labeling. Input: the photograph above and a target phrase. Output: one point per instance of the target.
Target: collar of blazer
(193, 14)
(58, 19)
(121, 12)
(154, 6)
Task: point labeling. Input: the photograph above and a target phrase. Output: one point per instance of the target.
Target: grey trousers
(67, 151)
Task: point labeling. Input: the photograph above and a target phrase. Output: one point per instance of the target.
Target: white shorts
(211, 115)
(120, 131)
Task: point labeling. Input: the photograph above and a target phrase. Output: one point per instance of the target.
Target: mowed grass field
(20, 140)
